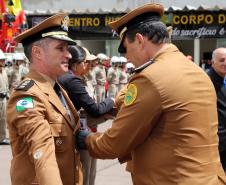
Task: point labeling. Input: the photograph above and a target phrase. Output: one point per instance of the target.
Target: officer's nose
(68, 54)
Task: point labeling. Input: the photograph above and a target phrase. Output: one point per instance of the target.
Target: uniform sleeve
(133, 124)
(32, 126)
(80, 98)
(120, 97)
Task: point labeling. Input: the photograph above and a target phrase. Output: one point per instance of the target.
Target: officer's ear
(36, 51)
(140, 40)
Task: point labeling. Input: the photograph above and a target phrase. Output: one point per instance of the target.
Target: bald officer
(168, 119)
(41, 118)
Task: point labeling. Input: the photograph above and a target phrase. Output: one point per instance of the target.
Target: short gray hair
(215, 52)
(28, 48)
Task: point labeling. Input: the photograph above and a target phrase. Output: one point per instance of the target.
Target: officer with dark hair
(167, 122)
(4, 94)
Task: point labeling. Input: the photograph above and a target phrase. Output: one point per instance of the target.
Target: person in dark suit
(84, 101)
(74, 84)
(217, 75)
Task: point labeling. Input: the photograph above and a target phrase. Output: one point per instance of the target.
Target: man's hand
(81, 139)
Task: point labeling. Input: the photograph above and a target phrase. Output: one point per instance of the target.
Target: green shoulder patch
(131, 94)
(25, 85)
(24, 103)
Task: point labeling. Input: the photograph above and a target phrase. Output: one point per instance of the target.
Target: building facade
(198, 26)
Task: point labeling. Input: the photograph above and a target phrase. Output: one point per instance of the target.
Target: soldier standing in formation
(20, 60)
(123, 77)
(100, 76)
(4, 94)
(113, 77)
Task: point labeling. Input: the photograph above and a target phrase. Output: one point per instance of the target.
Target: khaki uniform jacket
(171, 127)
(123, 77)
(43, 137)
(100, 75)
(113, 76)
(4, 86)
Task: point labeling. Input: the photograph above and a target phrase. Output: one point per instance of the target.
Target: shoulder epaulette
(25, 85)
(139, 69)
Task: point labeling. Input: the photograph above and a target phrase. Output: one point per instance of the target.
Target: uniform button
(59, 141)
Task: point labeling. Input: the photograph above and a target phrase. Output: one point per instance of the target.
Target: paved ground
(109, 172)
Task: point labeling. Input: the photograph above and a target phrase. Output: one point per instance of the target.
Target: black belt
(3, 95)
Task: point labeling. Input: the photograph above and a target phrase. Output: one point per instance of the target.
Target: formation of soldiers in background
(108, 76)
(13, 68)
(16, 66)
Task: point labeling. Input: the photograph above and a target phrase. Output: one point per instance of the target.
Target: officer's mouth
(65, 64)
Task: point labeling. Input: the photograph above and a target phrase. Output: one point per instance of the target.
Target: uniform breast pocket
(59, 132)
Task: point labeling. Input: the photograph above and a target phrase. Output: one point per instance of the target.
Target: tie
(64, 102)
(60, 95)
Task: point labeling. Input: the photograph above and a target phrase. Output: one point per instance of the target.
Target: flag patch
(25, 103)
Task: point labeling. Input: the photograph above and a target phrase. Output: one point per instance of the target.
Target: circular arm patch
(131, 94)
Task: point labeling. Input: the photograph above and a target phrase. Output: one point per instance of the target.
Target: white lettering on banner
(222, 31)
(197, 32)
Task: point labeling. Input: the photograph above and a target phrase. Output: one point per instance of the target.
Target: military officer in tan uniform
(168, 119)
(42, 120)
(123, 77)
(100, 75)
(4, 94)
(113, 77)
(20, 60)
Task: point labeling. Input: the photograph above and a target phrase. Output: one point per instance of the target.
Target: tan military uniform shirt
(123, 78)
(168, 122)
(92, 77)
(42, 136)
(113, 76)
(100, 75)
(4, 85)
(4, 89)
